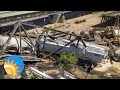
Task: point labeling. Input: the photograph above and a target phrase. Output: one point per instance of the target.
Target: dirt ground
(91, 20)
(106, 72)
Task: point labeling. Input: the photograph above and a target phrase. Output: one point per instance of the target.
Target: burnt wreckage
(53, 42)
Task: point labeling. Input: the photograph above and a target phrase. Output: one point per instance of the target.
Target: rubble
(32, 72)
(40, 73)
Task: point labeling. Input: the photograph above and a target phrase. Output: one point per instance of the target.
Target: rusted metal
(72, 34)
(32, 25)
(27, 42)
(27, 36)
(45, 37)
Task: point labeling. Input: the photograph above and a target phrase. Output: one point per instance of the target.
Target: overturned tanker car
(14, 44)
(91, 52)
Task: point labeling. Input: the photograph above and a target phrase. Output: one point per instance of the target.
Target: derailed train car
(91, 52)
(14, 44)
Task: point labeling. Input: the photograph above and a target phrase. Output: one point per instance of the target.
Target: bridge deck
(14, 13)
(4, 14)
(11, 17)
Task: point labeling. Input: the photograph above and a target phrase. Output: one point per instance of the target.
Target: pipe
(41, 73)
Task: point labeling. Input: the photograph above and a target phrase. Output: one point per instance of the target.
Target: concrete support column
(1, 70)
(56, 17)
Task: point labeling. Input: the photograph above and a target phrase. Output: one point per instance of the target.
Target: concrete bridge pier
(55, 18)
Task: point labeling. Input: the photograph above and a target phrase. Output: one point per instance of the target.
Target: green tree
(67, 60)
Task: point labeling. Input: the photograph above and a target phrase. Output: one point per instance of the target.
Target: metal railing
(10, 17)
(4, 14)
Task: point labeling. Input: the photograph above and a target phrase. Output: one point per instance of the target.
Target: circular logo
(14, 65)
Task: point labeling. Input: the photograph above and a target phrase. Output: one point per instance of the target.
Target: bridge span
(11, 17)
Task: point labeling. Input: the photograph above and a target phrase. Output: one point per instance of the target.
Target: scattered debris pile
(45, 70)
(104, 36)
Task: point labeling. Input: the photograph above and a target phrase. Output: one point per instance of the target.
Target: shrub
(66, 60)
(81, 21)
